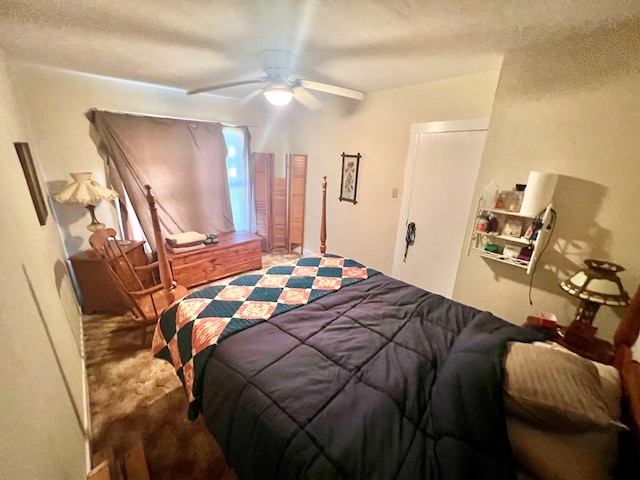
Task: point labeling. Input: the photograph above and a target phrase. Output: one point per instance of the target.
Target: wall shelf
(509, 235)
(502, 211)
(508, 238)
(500, 258)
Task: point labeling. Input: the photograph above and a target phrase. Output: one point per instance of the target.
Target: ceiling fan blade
(306, 98)
(332, 89)
(220, 86)
(246, 99)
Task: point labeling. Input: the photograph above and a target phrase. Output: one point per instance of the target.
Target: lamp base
(581, 335)
(95, 225)
(586, 311)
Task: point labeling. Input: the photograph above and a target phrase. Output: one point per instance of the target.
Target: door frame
(466, 125)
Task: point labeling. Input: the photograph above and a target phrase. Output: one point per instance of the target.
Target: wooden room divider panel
(279, 210)
(263, 174)
(297, 185)
(280, 202)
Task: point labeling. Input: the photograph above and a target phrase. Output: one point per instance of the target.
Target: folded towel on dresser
(187, 237)
(173, 249)
(175, 244)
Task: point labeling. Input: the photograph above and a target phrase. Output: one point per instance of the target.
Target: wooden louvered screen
(297, 184)
(263, 172)
(279, 210)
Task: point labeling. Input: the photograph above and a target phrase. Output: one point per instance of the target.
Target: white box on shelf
(511, 251)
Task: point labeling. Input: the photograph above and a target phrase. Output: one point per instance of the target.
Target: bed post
(629, 327)
(626, 335)
(323, 219)
(166, 276)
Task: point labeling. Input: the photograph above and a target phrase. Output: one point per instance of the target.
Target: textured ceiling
(363, 44)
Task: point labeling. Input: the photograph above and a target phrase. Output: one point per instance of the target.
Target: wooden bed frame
(624, 338)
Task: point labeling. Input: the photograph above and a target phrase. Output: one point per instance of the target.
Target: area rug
(134, 396)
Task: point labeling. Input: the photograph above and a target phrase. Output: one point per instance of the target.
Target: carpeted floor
(134, 396)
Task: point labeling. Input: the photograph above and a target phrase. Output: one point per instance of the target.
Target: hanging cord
(409, 238)
(552, 226)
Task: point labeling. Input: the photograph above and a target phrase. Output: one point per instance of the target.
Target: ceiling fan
(279, 87)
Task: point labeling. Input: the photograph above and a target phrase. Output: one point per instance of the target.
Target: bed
(324, 368)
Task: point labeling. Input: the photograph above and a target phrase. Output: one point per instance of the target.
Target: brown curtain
(183, 161)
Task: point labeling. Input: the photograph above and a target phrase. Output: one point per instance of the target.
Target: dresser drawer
(201, 271)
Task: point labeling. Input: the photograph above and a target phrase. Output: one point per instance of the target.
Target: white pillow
(554, 389)
(562, 412)
(610, 383)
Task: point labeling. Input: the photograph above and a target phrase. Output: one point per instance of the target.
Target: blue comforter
(379, 380)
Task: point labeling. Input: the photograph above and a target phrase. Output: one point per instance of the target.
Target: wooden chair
(137, 285)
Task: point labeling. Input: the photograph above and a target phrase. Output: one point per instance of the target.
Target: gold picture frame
(31, 176)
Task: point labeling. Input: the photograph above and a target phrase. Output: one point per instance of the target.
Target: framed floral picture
(349, 182)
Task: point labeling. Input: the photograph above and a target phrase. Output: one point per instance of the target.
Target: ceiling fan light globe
(278, 95)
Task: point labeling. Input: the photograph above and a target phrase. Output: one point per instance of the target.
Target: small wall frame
(349, 181)
(31, 175)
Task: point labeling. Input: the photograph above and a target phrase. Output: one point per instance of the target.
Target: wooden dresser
(99, 294)
(235, 252)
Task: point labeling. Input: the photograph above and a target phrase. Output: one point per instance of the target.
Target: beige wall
(42, 404)
(572, 108)
(55, 102)
(379, 128)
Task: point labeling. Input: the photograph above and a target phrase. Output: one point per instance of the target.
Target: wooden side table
(598, 350)
(99, 294)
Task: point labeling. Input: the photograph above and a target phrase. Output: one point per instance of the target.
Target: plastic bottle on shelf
(517, 197)
(489, 193)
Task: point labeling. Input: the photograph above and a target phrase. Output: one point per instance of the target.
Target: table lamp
(86, 191)
(596, 285)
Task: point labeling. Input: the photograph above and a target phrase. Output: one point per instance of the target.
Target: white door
(439, 181)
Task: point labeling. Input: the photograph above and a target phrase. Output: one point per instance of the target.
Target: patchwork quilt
(188, 332)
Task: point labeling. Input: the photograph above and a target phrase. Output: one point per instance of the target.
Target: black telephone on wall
(409, 238)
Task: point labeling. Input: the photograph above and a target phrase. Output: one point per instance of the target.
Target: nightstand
(598, 350)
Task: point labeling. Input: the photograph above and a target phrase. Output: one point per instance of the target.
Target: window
(239, 175)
